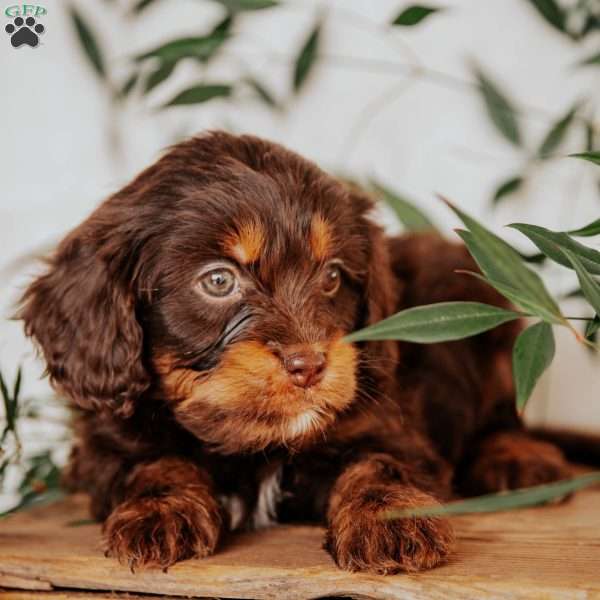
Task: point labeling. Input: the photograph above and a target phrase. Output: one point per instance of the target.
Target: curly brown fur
(361, 538)
(510, 460)
(198, 407)
(170, 514)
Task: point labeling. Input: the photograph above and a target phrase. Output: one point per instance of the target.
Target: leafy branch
(502, 501)
(38, 474)
(503, 268)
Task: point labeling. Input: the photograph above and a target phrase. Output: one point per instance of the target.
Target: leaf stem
(580, 318)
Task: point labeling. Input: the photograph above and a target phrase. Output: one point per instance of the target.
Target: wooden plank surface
(15, 594)
(548, 552)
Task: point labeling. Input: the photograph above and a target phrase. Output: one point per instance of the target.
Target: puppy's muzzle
(305, 364)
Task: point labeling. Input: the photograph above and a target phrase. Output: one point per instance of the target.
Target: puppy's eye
(219, 283)
(332, 278)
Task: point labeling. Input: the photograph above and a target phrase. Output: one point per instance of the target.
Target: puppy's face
(246, 268)
(246, 326)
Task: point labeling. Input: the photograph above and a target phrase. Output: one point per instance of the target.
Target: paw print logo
(24, 31)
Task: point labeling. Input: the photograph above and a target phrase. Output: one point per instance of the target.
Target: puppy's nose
(305, 366)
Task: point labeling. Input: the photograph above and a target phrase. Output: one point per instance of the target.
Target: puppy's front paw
(158, 531)
(508, 461)
(359, 539)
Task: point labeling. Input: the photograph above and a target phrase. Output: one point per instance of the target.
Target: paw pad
(24, 31)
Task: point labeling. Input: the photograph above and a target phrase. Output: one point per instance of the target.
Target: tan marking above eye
(246, 244)
(320, 237)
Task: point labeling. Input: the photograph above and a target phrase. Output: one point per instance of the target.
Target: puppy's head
(222, 280)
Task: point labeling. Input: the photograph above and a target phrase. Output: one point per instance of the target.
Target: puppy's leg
(513, 459)
(358, 536)
(168, 513)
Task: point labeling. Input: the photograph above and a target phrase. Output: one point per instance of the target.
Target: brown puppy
(196, 319)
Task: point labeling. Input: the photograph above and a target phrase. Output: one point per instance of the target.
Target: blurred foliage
(576, 20)
(307, 57)
(407, 212)
(413, 15)
(499, 108)
(35, 477)
(88, 42)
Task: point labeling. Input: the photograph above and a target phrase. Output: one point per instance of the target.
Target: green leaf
(141, 5)
(88, 42)
(263, 93)
(3, 466)
(591, 61)
(414, 14)
(307, 57)
(17, 391)
(588, 230)
(201, 93)
(128, 86)
(201, 48)
(527, 304)
(552, 12)
(590, 136)
(592, 22)
(593, 156)
(589, 286)
(245, 5)
(557, 133)
(4, 392)
(532, 354)
(17, 385)
(162, 72)
(503, 266)
(551, 243)
(7, 401)
(536, 259)
(499, 108)
(432, 323)
(409, 215)
(592, 328)
(508, 187)
(502, 501)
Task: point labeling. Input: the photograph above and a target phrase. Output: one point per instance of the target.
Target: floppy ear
(380, 292)
(82, 315)
(381, 301)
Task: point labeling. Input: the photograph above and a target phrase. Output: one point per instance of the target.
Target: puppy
(196, 320)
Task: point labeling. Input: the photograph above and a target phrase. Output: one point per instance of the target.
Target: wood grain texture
(548, 552)
(78, 595)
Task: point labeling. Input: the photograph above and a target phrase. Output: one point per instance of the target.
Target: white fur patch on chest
(236, 508)
(304, 423)
(269, 496)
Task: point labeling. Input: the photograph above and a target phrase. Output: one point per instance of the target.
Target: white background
(428, 135)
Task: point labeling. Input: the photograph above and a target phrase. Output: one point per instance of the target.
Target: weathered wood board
(548, 552)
